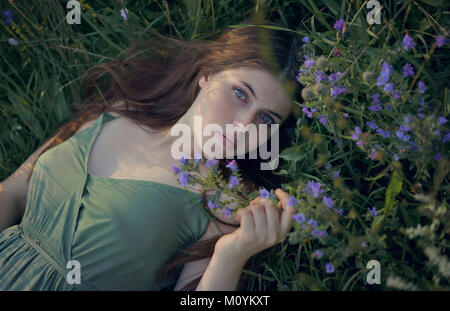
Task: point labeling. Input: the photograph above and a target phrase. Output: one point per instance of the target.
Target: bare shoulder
(91, 122)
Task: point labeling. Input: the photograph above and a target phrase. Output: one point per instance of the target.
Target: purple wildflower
(396, 96)
(314, 188)
(211, 163)
(408, 42)
(334, 76)
(309, 63)
(421, 116)
(329, 267)
(405, 128)
(340, 211)
(389, 87)
(234, 181)
(357, 133)
(320, 76)
(176, 169)
(384, 133)
(376, 98)
(312, 222)
(322, 234)
(336, 175)
(422, 88)
(183, 160)
(339, 24)
(184, 178)
(338, 90)
(328, 201)
(376, 107)
(437, 157)
(317, 254)
(446, 138)
(373, 212)
(305, 39)
(315, 232)
(396, 157)
(299, 217)
(212, 205)
(372, 153)
(408, 70)
(441, 40)
(9, 16)
(323, 119)
(442, 121)
(226, 212)
(309, 113)
(386, 71)
(372, 125)
(264, 194)
(401, 135)
(232, 165)
(292, 201)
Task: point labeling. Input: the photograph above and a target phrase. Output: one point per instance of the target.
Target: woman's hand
(262, 226)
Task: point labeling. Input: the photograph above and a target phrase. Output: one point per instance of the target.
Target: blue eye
(239, 91)
(268, 119)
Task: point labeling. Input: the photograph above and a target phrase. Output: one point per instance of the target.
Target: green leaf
(292, 154)
(377, 222)
(379, 175)
(394, 188)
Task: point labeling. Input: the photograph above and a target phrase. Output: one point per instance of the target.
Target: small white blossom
(399, 283)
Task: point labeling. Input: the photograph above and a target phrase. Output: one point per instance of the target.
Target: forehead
(269, 92)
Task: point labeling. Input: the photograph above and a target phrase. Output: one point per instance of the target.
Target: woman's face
(240, 97)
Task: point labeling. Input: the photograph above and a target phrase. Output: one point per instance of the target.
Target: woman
(103, 209)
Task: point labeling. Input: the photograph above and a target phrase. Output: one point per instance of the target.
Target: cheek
(219, 109)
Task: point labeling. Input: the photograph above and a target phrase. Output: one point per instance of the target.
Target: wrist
(236, 257)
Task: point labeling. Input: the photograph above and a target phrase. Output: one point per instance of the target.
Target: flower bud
(368, 76)
(320, 89)
(321, 62)
(307, 93)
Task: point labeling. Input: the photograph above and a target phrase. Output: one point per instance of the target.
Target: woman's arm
(222, 273)
(262, 226)
(9, 209)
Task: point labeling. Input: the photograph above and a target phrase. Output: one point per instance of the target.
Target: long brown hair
(157, 82)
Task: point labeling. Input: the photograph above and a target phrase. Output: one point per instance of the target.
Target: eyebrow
(254, 95)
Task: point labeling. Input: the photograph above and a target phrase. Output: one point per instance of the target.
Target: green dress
(121, 231)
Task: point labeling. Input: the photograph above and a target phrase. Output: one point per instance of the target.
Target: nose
(243, 119)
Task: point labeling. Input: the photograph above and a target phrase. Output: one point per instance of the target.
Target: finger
(288, 212)
(284, 199)
(259, 217)
(247, 223)
(239, 211)
(273, 222)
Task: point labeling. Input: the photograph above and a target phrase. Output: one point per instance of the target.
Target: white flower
(124, 14)
(399, 283)
(13, 41)
(435, 258)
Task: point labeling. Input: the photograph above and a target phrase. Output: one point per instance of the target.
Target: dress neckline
(97, 128)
